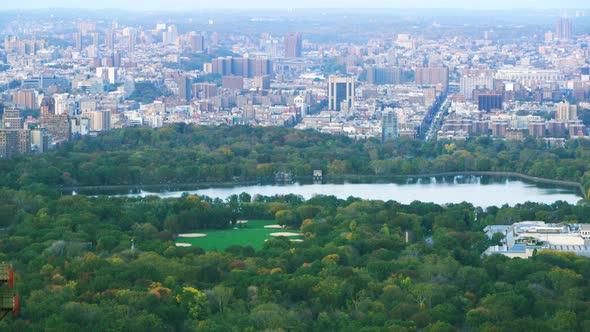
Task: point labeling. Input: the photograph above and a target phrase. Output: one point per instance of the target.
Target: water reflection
(481, 191)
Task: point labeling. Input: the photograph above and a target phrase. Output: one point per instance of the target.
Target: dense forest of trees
(188, 154)
(354, 271)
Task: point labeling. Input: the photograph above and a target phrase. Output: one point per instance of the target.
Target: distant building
(185, 91)
(499, 128)
(389, 125)
(523, 238)
(563, 29)
(12, 119)
(14, 142)
(470, 83)
(537, 129)
(204, 90)
(293, 45)
(432, 76)
(566, 112)
(58, 127)
(233, 82)
(25, 98)
(108, 74)
(576, 128)
(262, 82)
(245, 67)
(39, 140)
(197, 42)
(556, 128)
(383, 75)
(340, 93)
(489, 101)
(100, 120)
(47, 106)
(529, 76)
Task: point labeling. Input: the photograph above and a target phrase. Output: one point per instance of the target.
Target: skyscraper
(563, 29)
(340, 93)
(293, 45)
(389, 127)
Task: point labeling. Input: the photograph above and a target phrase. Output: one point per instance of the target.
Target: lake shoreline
(204, 185)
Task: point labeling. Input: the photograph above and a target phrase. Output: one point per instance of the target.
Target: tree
(220, 296)
(286, 218)
(194, 302)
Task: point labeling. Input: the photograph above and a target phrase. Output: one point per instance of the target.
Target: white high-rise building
(340, 93)
(470, 83)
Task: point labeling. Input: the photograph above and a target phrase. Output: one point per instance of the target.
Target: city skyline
(175, 5)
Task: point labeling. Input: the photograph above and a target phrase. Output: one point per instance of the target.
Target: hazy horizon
(175, 5)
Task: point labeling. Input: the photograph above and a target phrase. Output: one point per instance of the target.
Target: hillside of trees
(188, 154)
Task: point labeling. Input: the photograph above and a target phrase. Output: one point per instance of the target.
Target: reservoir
(483, 191)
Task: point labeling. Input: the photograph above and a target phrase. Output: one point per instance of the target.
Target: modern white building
(523, 238)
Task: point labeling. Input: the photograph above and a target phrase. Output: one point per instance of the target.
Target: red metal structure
(9, 301)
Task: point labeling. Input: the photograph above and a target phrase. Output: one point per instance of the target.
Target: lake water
(479, 190)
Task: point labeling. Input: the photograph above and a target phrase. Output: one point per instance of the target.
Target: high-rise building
(47, 106)
(197, 42)
(340, 93)
(470, 83)
(232, 82)
(78, 40)
(185, 88)
(563, 29)
(293, 45)
(262, 82)
(389, 127)
(489, 101)
(39, 140)
(95, 39)
(14, 142)
(383, 75)
(169, 36)
(132, 41)
(12, 119)
(566, 112)
(110, 39)
(432, 76)
(537, 129)
(100, 120)
(246, 67)
(25, 98)
(204, 90)
(57, 125)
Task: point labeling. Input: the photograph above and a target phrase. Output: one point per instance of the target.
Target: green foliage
(75, 269)
(186, 154)
(147, 92)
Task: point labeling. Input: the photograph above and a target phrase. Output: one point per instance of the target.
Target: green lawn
(253, 234)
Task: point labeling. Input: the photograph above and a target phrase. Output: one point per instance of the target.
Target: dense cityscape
(295, 169)
(64, 77)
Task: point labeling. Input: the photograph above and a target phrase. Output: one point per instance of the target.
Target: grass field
(253, 234)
